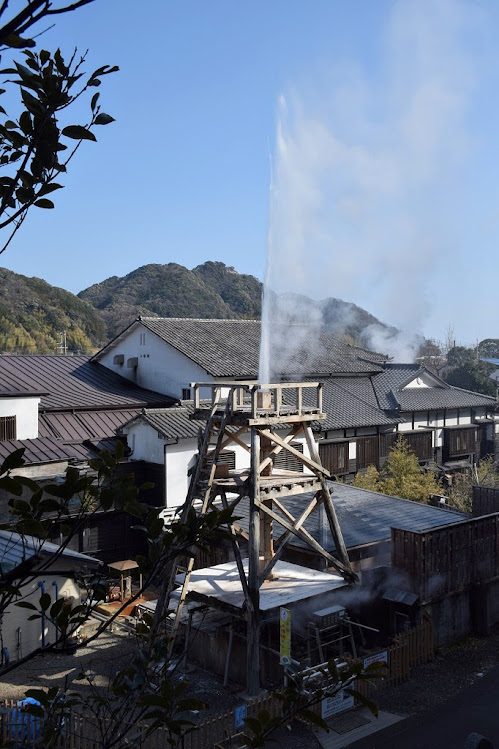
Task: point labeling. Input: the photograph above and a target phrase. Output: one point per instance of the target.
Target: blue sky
(388, 113)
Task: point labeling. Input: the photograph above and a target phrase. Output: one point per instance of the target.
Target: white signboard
(338, 703)
(376, 658)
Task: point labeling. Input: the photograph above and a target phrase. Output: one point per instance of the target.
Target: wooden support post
(334, 526)
(253, 609)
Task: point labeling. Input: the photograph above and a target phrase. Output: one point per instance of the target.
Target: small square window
(186, 394)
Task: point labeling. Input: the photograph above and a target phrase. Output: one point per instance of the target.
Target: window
(420, 443)
(288, 462)
(8, 429)
(142, 339)
(334, 456)
(227, 458)
(367, 451)
(459, 442)
(186, 394)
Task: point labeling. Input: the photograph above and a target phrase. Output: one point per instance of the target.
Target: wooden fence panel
(448, 559)
(485, 500)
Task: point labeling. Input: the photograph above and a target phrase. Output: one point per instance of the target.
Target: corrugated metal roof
(43, 450)
(73, 382)
(364, 516)
(14, 550)
(83, 425)
(231, 348)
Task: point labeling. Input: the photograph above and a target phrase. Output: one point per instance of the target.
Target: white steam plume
(366, 194)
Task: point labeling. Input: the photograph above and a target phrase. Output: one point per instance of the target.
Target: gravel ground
(453, 669)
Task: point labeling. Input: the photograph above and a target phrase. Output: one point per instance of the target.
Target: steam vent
(265, 421)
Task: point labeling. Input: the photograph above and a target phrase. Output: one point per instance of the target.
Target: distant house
(368, 400)
(51, 573)
(64, 409)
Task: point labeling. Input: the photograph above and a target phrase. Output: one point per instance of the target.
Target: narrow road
(475, 709)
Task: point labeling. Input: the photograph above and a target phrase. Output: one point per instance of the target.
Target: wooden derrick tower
(273, 417)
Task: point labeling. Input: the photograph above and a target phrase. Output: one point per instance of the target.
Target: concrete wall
(26, 412)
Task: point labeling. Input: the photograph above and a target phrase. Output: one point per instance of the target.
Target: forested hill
(209, 290)
(33, 314)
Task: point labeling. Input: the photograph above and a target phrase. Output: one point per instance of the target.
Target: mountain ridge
(33, 314)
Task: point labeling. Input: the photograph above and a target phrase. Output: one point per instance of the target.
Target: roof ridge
(201, 319)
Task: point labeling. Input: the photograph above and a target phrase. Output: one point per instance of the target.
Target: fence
(409, 649)
(485, 500)
(450, 558)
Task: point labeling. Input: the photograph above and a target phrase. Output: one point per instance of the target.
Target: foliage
(401, 476)
(211, 290)
(458, 356)
(489, 348)
(474, 376)
(430, 354)
(34, 139)
(368, 479)
(460, 492)
(32, 145)
(306, 688)
(33, 313)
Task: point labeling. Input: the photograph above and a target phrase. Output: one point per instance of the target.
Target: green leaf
(11, 485)
(45, 601)
(78, 132)
(48, 188)
(59, 63)
(26, 605)
(314, 718)
(104, 119)
(14, 460)
(361, 698)
(44, 203)
(17, 42)
(25, 122)
(94, 101)
(31, 102)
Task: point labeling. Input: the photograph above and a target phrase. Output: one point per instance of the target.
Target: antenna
(62, 346)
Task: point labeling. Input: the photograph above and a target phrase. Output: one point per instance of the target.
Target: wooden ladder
(201, 489)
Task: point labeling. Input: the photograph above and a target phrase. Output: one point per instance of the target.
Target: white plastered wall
(160, 367)
(25, 410)
(21, 636)
(178, 458)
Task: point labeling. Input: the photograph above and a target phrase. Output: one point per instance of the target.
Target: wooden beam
(316, 467)
(277, 449)
(237, 551)
(308, 539)
(235, 438)
(286, 536)
(334, 525)
(253, 607)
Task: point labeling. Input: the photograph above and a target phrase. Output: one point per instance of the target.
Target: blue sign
(239, 715)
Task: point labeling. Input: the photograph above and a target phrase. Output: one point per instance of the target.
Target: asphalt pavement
(475, 709)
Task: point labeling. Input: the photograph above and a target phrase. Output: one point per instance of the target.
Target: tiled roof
(364, 517)
(173, 423)
(392, 395)
(43, 450)
(73, 382)
(231, 348)
(350, 402)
